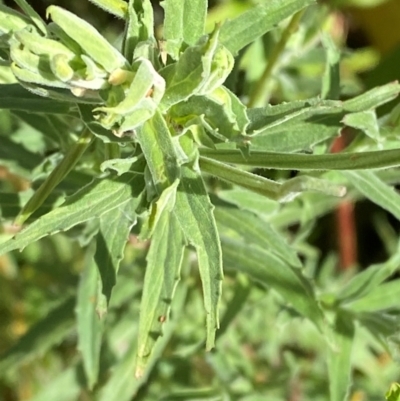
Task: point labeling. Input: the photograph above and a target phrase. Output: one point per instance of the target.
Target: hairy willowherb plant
(140, 133)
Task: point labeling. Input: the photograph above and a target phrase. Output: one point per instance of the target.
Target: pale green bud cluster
(69, 59)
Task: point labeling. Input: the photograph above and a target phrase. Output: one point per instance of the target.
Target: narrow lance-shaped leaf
(121, 386)
(331, 78)
(115, 226)
(273, 272)
(91, 201)
(89, 323)
(91, 41)
(367, 280)
(256, 231)
(33, 15)
(376, 190)
(11, 20)
(250, 25)
(162, 275)
(140, 26)
(184, 20)
(194, 212)
(156, 143)
(339, 357)
(384, 297)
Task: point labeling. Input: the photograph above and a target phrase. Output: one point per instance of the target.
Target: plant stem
(294, 161)
(56, 176)
(257, 95)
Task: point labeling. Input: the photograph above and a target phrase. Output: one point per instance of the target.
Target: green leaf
(367, 280)
(89, 321)
(201, 69)
(90, 40)
(250, 25)
(253, 230)
(339, 357)
(156, 144)
(15, 97)
(393, 393)
(164, 261)
(122, 386)
(56, 176)
(365, 121)
(33, 15)
(331, 78)
(376, 190)
(140, 102)
(193, 210)
(384, 297)
(140, 26)
(118, 8)
(262, 265)
(184, 20)
(224, 114)
(70, 383)
(115, 226)
(91, 201)
(49, 331)
(11, 20)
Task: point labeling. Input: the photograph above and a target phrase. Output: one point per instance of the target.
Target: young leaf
(365, 121)
(91, 201)
(164, 261)
(91, 41)
(11, 20)
(250, 25)
(184, 20)
(193, 210)
(89, 322)
(339, 357)
(140, 27)
(331, 78)
(33, 15)
(224, 114)
(49, 331)
(201, 69)
(156, 143)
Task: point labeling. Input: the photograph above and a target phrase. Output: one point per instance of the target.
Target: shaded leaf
(89, 322)
(91, 201)
(193, 210)
(273, 272)
(49, 331)
(339, 357)
(164, 261)
(250, 25)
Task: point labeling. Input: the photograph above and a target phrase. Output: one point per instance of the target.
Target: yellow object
(381, 24)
